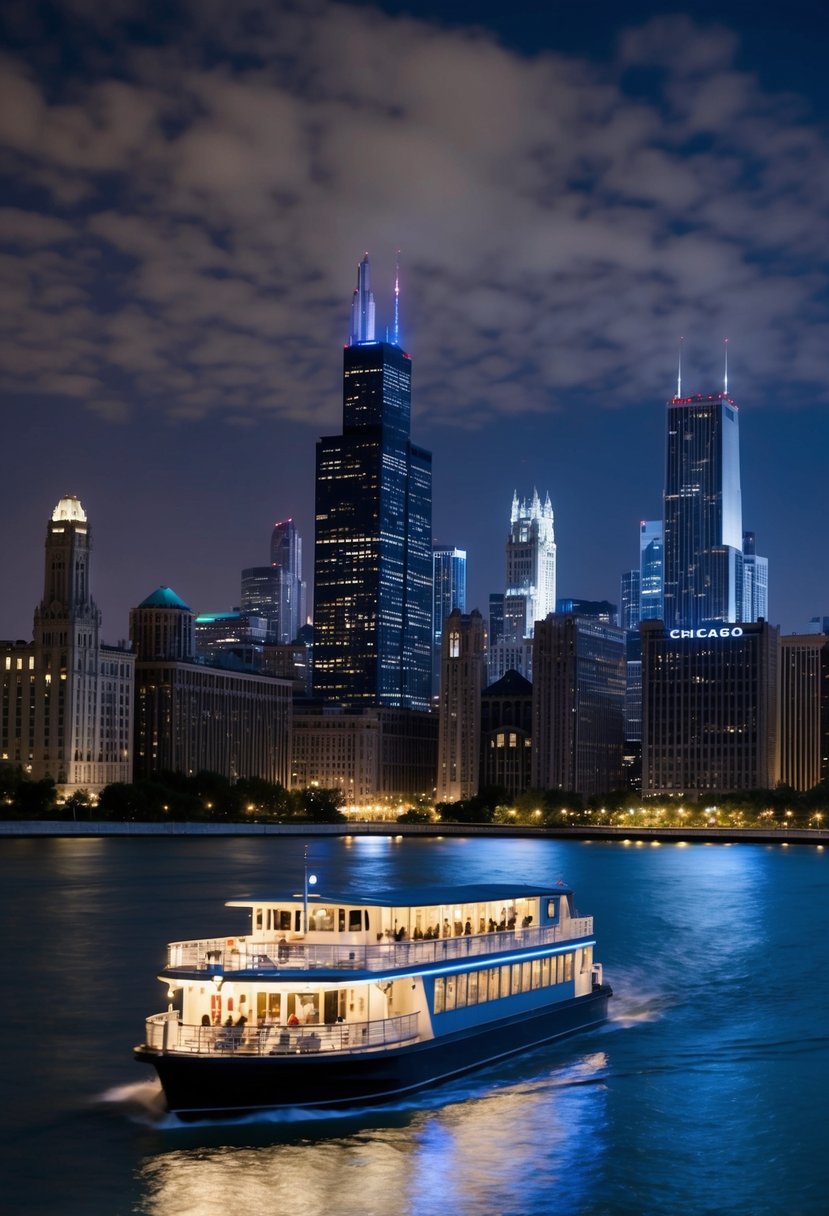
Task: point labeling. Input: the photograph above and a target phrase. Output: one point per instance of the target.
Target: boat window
(552, 909)
(305, 1007)
(460, 991)
(341, 920)
(516, 978)
(258, 918)
(568, 967)
(472, 989)
(321, 919)
(439, 1001)
(355, 917)
(450, 992)
(297, 921)
(506, 987)
(545, 972)
(284, 915)
(267, 1007)
(536, 967)
(366, 914)
(526, 977)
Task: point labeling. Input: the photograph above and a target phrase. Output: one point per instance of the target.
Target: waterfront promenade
(381, 827)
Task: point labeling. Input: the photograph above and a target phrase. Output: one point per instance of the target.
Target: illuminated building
(194, 715)
(578, 704)
(755, 602)
(448, 592)
(709, 708)
(650, 570)
(463, 663)
(803, 734)
(373, 541)
(506, 734)
(630, 600)
(66, 697)
(373, 755)
(703, 521)
(530, 584)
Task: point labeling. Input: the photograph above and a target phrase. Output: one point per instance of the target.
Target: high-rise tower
(66, 698)
(703, 519)
(531, 584)
(448, 593)
(373, 550)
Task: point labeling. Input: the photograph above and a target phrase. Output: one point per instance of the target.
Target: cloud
(186, 212)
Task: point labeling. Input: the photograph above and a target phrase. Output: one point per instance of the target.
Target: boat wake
(634, 1003)
(142, 1102)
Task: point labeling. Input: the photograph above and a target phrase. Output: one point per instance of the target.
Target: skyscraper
(66, 698)
(286, 557)
(650, 570)
(373, 550)
(448, 592)
(530, 584)
(461, 683)
(703, 520)
(755, 603)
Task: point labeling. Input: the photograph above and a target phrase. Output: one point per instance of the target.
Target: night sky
(187, 190)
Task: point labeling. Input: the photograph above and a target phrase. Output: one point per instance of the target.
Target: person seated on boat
(283, 951)
(205, 1019)
(493, 928)
(401, 934)
(293, 1020)
(447, 929)
(418, 934)
(526, 922)
(511, 921)
(467, 929)
(228, 1020)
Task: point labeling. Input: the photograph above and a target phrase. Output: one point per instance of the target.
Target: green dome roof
(164, 597)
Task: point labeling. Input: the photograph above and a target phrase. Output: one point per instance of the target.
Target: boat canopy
(415, 897)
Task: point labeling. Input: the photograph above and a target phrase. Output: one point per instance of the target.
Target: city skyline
(176, 312)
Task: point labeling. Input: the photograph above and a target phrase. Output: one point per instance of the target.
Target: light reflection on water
(459, 1150)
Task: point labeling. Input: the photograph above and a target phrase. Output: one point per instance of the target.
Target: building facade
(703, 520)
(803, 727)
(448, 593)
(377, 757)
(506, 734)
(463, 664)
(373, 541)
(709, 708)
(67, 698)
(650, 570)
(192, 715)
(578, 705)
(530, 592)
(755, 601)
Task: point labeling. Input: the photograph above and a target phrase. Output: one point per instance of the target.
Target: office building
(703, 522)
(506, 734)
(578, 705)
(803, 728)
(630, 600)
(66, 708)
(530, 592)
(463, 664)
(755, 602)
(650, 570)
(818, 624)
(231, 637)
(379, 758)
(709, 708)
(597, 610)
(286, 557)
(373, 544)
(448, 593)
(194, 715)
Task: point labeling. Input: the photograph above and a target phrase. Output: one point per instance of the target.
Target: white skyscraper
(530, 584)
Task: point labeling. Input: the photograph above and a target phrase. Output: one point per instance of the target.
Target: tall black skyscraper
(373, 542)
(703, 520)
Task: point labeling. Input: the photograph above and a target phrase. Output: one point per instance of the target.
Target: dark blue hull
(204, 1086)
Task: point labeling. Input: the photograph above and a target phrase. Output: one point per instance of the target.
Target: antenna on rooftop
(679, 370)
(725, 378)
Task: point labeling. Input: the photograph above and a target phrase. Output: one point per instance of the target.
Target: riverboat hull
(233, 1084)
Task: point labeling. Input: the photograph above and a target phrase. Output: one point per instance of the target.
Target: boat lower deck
(217, 1084)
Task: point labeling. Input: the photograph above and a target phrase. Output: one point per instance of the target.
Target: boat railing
(270, 955)
(164, 1032)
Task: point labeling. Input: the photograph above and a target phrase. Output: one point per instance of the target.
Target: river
(705, 1093)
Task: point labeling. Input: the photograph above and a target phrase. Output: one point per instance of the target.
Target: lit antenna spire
(679, 370)
(362, 306)
(725, 379)
(396, 330)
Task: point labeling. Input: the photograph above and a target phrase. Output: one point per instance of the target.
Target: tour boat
(340, 1001)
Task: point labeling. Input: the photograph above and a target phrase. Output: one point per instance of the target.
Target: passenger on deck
(283, 950)
(467, 929)
(293, 1020)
